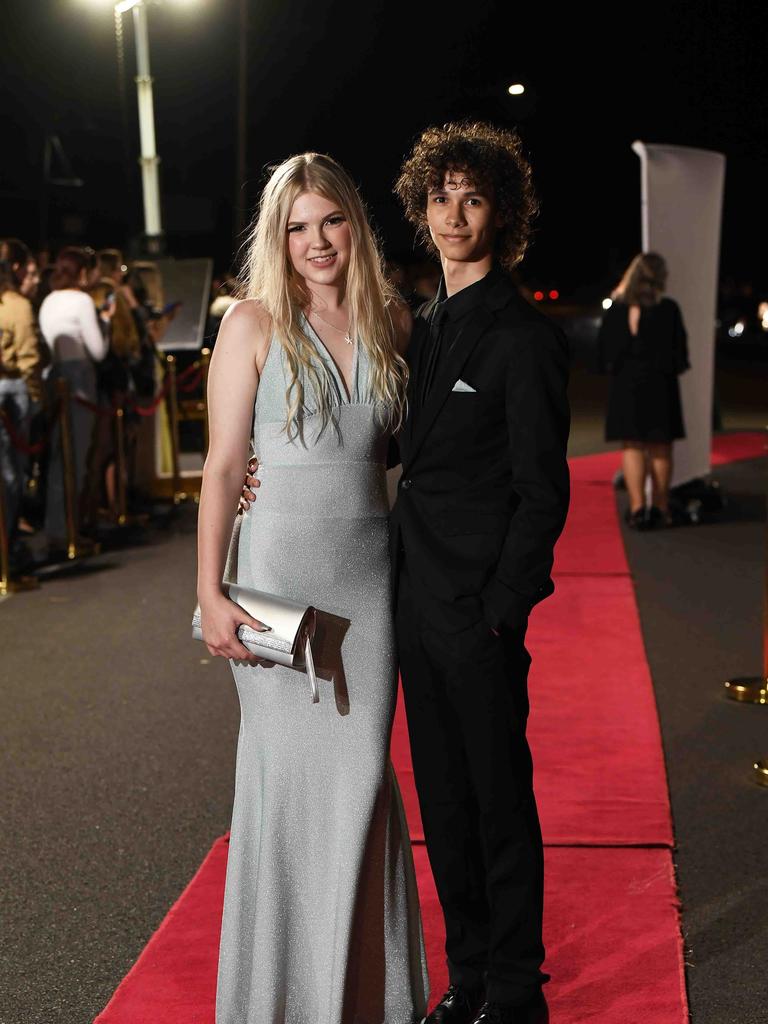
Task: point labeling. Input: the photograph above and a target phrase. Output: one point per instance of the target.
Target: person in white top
(78, 338)
(70, 326)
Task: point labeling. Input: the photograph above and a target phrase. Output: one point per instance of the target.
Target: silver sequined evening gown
(321, 922)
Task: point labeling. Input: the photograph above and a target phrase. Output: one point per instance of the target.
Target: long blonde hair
(644, 280)
(269, 276)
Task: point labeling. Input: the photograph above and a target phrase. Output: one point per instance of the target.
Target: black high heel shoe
(658, 518)
(636, 520)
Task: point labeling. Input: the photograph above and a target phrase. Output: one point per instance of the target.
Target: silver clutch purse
(289, 641)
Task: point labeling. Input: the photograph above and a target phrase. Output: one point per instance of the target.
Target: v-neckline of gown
(347, 391)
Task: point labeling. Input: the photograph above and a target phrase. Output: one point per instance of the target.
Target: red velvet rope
(194, 372)
(190, 369)
(20, 443)
(191, 384)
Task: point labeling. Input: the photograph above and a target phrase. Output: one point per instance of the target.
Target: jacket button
(405, 484)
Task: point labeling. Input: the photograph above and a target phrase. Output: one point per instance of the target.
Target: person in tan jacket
(20, 387)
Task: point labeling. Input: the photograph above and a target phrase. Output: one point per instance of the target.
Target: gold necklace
(347, 338)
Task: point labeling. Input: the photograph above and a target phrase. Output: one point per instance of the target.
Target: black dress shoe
(534, 1011)
(458, 1006)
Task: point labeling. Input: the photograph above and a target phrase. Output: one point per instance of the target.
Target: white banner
(682, 198)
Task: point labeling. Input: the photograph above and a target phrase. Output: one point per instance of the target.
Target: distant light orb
(737, 330)
(538, 296)
(516, 90)
(554, 294)
(607, 303)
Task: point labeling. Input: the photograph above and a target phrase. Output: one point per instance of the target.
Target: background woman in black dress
(643, 344)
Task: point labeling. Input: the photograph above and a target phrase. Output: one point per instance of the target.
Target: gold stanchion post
(77, 547)
(205, 361)
(5, 569)
(754, 689)
(121, 466)
(121, 470)
(8, 585)
(68, 466)
(172, 405)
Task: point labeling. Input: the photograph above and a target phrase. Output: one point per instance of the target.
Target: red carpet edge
(612, 904)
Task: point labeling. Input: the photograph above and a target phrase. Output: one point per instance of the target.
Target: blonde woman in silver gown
(321, 922)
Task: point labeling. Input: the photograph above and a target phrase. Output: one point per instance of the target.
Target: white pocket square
(461, 385)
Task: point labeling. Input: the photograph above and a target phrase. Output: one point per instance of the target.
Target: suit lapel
(447, 375)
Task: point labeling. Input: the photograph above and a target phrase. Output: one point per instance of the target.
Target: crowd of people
(91, 319)
(88, 319)
(94, 320)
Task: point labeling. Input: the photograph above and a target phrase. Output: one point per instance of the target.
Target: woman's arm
(233, 381)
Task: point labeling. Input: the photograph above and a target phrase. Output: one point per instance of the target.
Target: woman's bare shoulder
(246, 327)
(246, 315)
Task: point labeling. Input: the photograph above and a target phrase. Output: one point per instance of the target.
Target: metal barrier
(9, 585)
(77, 546)
(754, 689)
(184, 410)
(83, 547)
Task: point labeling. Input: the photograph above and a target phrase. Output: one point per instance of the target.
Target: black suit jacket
(484, 489)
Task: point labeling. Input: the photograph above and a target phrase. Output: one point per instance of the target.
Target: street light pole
(149, 159)
(241, 191)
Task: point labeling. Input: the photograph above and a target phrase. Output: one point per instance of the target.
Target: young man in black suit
(482, 499)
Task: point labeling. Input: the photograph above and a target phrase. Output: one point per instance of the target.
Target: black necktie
(435, 345)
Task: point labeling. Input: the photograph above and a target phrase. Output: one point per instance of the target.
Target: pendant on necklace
(348, 339)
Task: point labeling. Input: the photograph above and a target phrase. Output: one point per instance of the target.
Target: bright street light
(516, 90)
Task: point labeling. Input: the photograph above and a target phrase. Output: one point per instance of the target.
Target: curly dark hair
(491, 158)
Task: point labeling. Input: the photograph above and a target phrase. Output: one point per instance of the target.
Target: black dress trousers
(467, 704)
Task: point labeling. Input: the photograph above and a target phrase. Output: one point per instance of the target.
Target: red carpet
(592, 700)
(746, 444)
(600, 776)
(590, 543)
(734, 447)
(611, 932)
(611, 915)
(601, 972)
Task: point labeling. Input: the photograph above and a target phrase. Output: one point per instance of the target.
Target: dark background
(358, 80)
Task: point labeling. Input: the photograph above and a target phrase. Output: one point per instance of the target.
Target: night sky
(358, 81)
